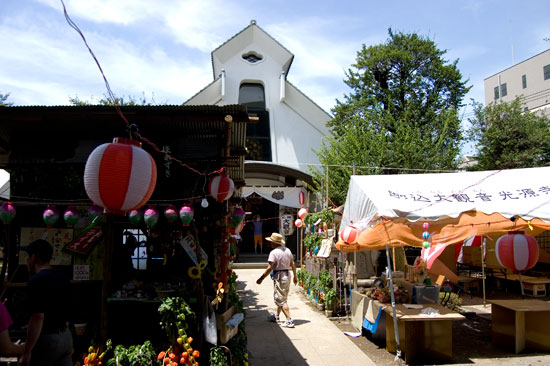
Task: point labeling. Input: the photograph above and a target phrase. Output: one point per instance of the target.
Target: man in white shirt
(280, 261)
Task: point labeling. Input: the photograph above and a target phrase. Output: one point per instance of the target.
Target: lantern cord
(114, 100)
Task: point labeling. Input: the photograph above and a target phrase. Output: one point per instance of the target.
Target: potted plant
(330, 301)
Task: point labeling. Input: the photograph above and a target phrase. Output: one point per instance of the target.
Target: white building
(529, 79)
(251, 69)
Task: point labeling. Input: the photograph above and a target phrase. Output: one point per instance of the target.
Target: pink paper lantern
(298, 223)
(135, 217)
(171, 213)
(50, 216)
(517, 251)
(151, 217)
(186, 215)
(238, 217)
(349, 234)
(71, 216)
(120, 176)
(302, 213)
(221, 188)
(7, 212)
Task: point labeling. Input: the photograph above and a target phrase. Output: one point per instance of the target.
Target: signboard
(81, 272)
(58, 238)
(84, 243)
(188, 244)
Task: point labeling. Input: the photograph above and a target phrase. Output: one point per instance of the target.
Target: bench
(536, 286)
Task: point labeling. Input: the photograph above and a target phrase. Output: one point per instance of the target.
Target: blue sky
(162, 47)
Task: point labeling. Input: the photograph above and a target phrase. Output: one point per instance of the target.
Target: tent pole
(398, 347)
(354, 252)
(483, 246)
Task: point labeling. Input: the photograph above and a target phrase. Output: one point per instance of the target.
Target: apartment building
(529, 79)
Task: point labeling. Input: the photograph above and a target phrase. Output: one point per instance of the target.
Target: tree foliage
(507, 137)
(401, 113)
(106, 100)
(4, 100)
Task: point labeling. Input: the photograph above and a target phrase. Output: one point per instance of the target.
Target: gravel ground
(471, 342)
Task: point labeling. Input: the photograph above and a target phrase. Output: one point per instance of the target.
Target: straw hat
(276, 238)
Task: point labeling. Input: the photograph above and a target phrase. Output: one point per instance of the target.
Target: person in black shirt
(49, 341)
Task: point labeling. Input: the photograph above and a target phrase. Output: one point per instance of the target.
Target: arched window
(258, 138)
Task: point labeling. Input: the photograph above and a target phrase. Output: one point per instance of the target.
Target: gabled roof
(246, 37)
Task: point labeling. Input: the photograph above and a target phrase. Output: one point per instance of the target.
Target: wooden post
(107, 266)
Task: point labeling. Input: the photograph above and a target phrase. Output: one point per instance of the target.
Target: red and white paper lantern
(349, 234)
(298, 223)
(517, 251)
(120, 176)
(221, 187)
(302, 198)
(302, 213)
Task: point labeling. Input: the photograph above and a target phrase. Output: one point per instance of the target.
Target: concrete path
(314, 341)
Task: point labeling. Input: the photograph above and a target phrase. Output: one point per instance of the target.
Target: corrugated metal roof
(197, 132)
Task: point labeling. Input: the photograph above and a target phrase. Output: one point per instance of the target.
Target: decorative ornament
(238, 229)
(71, 216)
(120, 176)
(151, 217)
(171, 213)
(186, 215)
(301, 198)
(517, 251)
(194, 272)
(7, 212)
(302, 213)
(298, 223)
(50, 216)
(204, 203)
(221, 188)
(349, 234)
(425, 235)
(135, 217)
(237, 218)
(94, 212)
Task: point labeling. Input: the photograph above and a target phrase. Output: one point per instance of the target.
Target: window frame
(496, 92)
(546, 71)
(524, 81)
(503, 89)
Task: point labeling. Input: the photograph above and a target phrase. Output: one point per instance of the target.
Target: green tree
(401, 113)
(507, 137)
(105, 100)
(3, 100)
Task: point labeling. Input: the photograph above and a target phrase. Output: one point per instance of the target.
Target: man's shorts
(281, 291)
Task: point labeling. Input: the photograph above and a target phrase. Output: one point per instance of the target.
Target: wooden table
(521, 323)
(421, 335)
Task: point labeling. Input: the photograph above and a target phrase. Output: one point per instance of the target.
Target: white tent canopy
(522, 192)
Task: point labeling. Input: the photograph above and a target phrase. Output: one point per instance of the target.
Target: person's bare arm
(33, 332)
(7, 347)
(266, 273)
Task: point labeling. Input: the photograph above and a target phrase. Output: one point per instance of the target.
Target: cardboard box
(226, 333)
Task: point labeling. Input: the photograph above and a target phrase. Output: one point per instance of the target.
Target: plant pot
(328, 313)
(321, 306)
